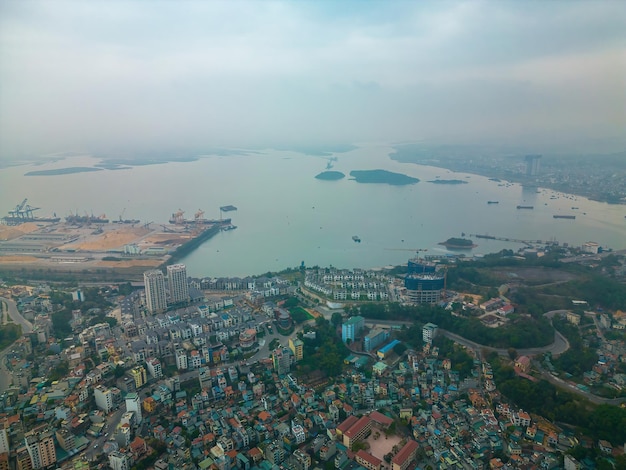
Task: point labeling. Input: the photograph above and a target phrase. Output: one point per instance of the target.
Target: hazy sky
(108, 76)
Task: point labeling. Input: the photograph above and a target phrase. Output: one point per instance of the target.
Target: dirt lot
(110, 239)
(11, 232)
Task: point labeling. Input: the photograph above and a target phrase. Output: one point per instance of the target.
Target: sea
(286, 217)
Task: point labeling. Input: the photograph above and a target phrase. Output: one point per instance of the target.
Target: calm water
(286, 216)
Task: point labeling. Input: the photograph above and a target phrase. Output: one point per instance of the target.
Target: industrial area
(88, 242)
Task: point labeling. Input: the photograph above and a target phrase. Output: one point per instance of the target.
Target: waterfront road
(27, 327)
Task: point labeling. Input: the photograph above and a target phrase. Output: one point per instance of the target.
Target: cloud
(110, 75)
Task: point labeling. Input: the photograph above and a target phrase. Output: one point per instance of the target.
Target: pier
(516, 240)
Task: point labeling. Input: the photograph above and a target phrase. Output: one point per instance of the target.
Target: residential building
(139, 375)
(351, 328)
(375, 338)
(154, 368)
(118, 461)
(4, 439)
(154, 281)
(40, 447)
(133, 404)
(281, 360)
(297, 348)
(429, 331)
(104, 398)
(177, 283)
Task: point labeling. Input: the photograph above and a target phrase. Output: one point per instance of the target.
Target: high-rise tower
(154, 281)
(532, 164)
(177, 278)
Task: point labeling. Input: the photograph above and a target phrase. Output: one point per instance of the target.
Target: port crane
(198, 216)
(23, 210)
(177, 217)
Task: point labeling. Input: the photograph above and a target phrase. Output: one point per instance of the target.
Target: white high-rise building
(4, 439)
(104, 398)
(133, 403)
(177, 278)
(154, 281)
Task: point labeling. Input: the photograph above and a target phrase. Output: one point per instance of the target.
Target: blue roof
(390, 346)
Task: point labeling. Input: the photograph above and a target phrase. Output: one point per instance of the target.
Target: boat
(228, 208)
(525, 207)
(493, 202)
(225, 228)
(356, 238)
(556, 216)
(86, 219)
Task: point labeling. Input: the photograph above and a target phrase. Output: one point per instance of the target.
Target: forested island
(458, 243)
(382, 176)
(330, 175)
(62, 171)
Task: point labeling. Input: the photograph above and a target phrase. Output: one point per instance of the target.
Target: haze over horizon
(134, 77)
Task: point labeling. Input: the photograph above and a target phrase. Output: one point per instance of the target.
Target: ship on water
(558, 216)
(525, 207)
(178, 218)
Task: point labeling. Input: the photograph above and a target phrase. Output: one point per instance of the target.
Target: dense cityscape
(443, 363)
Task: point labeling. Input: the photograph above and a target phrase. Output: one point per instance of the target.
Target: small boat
(525, 207)
(493, 202)
(356, 239)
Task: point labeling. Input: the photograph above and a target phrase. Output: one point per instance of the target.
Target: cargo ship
(564, 216)
(525, 207)
(228, 208)
(86, 219)
(493, 202)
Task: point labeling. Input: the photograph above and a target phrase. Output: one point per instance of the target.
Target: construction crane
(166, 229)
(122, 215)
(147, 225)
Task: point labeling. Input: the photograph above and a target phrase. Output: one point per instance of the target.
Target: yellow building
(297, 348)
(140, 376)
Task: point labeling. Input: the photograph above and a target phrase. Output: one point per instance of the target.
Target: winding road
(27, 327)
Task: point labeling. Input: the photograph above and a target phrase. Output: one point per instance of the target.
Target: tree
(336, 319)
(512, 353)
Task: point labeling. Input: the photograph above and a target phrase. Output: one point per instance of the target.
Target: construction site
(94, 244)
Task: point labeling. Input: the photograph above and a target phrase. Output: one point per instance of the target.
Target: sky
(124, 77)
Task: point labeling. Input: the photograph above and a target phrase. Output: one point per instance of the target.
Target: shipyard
(96, 244)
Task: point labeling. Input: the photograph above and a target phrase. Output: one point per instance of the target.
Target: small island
(382, 176)
(459, 243)
(448, 181)
(62, 171)
(330, 175)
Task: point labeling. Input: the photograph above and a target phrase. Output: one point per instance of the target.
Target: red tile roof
(368, 458)
(405, 452)
(358, 426)
(347, 424)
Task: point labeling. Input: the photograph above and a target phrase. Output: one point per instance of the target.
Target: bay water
(285, 216)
